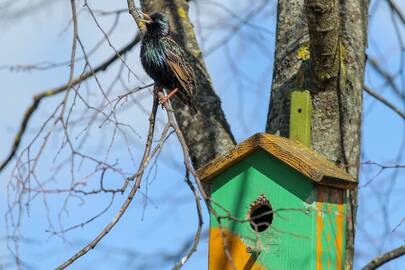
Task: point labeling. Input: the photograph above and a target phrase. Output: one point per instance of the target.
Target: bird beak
(146, 18)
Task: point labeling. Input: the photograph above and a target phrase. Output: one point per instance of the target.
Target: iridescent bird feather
(164, 60)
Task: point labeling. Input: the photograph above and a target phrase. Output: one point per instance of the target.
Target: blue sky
(162, 217)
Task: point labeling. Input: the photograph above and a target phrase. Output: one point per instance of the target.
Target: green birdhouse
(277, 205)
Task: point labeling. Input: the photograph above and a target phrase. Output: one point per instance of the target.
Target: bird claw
(163, 100)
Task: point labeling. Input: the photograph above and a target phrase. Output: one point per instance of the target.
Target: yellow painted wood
(308, 226)
(236, 249)
(330, 228)
(301, 116)
(288, 242)
(293, 153)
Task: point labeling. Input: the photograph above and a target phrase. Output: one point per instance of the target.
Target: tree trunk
(207, 133)
(325, 55)
(320, 46)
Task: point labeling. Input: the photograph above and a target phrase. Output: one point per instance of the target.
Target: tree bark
(207, 133)
(320, 46)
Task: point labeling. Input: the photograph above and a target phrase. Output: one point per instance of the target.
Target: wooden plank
(295, 154)
(287, 242)
(241, 259)
(301, 116)
(330, 228)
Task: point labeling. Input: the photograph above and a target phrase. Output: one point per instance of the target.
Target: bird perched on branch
(165, 61)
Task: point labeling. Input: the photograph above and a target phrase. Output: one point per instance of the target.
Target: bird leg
(164, 99)
(157, 88)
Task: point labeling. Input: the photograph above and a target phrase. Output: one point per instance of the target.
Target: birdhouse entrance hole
(260, 214)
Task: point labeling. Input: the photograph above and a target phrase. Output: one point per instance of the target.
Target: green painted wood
(289, 242)
(301, 116)
(304, 230)
(332, 258)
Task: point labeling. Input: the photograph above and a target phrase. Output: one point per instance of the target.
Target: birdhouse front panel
(330, 222)
(268, 216)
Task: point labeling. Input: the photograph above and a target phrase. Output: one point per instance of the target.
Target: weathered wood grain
(295, 154)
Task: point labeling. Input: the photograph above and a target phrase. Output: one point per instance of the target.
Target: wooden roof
(298, 156)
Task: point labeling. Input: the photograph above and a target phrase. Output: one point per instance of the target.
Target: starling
(165, 61)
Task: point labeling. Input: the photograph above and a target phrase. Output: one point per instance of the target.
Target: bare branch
(187, 161)
(397, 10)
(383, 259)
(397, 166)
(377, 96)
(72, 57)
(197, 235)
(388, 77)
(137, 177)
(54, 91)
(138, 20)
(399, 225)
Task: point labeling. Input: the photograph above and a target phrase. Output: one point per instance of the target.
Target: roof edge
(292, 153)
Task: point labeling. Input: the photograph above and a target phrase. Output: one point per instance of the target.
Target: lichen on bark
(336, 33)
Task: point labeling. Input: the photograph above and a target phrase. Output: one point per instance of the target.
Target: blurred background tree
(76, 146)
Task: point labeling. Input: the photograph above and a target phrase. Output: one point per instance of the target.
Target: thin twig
(197, 235)
(384, 101)
(399, 224)
(397, 10)
(381, 169)
(54, 91)
(109, 42)
(190, 168)
(388, 77)
(138, 178)
(72, 58)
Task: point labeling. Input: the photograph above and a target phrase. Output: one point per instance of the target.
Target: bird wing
(182, 70)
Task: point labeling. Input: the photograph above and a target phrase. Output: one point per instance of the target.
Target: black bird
(165, 61)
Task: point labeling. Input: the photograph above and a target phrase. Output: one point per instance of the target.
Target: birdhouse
(276, 204)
